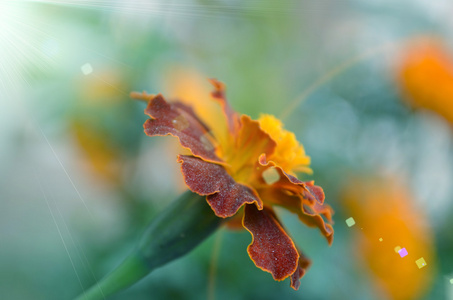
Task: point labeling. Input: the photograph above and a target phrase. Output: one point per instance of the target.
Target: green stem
(182, 226)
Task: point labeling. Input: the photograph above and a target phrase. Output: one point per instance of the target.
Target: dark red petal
(311, 215)
(315, 191)
(272, 250)
(225, 196)
(304, 264)
(189, 110)
(324, 210)
(180, 121)
(231, 116)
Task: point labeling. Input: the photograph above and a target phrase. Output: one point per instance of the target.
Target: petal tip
(218, 85)
(143, 96)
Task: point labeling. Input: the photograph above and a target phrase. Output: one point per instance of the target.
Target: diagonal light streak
(59, 231)
(259, 8)
(85, 259)
(66, 172)
(21, 33)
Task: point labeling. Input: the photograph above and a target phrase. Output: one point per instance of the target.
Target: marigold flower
(426, 76)
(244, 171)
(91, 125)
(391, 221)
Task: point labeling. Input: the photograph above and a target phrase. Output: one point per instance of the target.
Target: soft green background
(63, 227)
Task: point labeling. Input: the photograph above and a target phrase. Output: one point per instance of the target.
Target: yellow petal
(289, 154)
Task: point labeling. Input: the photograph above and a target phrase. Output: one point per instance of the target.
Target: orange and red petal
(316, 220)
(315, 191)
(311, 215)
(302, 267)
(180, 121)
(324, 210)
(272, 250)
(307, 190)
(189, 110)
(250, 143)
(224, 195)
(219, 95)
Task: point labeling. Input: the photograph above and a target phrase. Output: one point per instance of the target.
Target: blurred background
(367, 86)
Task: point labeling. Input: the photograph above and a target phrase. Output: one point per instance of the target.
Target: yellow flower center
(289, 154)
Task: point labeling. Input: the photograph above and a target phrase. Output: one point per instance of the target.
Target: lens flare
(23, 45)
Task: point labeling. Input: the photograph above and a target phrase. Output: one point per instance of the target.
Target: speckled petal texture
(180, 121)
(224, 195)
(272, 249)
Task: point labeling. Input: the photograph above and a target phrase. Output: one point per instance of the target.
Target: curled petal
(272, 250)
(310, 192)
(224, 195)
(180, 121)
(231, 116)
(311, 215)
(304, 264)
(324, 210)
(314, 190)
(252, 137)
(289, 154)
(315, 220)
(250, 143)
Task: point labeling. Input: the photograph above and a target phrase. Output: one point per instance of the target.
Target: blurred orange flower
(244, 167)
(426, 76)
(101, 155)
(391, 225)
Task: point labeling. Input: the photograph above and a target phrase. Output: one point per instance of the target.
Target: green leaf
(182, 226)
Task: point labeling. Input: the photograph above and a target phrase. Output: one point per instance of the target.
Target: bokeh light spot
(402, 252)
(271, 176)
(350, 222)
(420, 262)
(206, 141)
(180, 123)
(87, 69)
